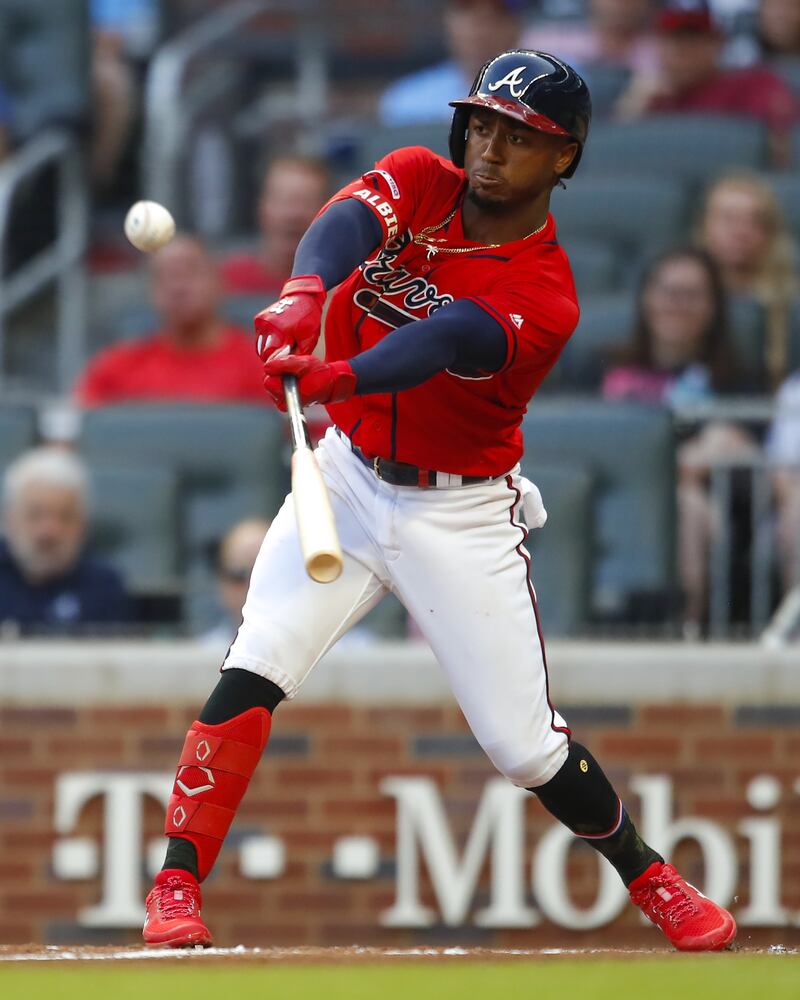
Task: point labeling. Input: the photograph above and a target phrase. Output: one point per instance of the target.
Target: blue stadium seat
(230, 461)
(562, 551)
(378, 140)
(629, 450)
(135, 523)
(595, 266)
(787, 189)
(691, 148)
(17, 432)
(606, 325)
(635, 215)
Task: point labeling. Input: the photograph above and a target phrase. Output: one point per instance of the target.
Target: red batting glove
(318, 381)
(292, 323)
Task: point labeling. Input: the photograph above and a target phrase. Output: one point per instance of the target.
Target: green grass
(727, 977)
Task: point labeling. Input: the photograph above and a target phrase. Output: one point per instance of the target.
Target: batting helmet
(533, 87)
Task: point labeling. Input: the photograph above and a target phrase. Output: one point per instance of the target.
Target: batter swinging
(452, 300)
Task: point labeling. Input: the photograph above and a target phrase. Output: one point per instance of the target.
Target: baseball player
(449, 301)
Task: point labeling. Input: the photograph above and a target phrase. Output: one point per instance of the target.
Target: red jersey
(153, 369)
(458, 422)
(755, 92)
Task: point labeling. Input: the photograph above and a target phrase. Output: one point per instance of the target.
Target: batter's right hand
(293, 322)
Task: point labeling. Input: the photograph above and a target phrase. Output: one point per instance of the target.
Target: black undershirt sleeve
(346, 234)
(460, 337)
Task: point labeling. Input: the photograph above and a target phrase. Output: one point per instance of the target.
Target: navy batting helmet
(533, 87)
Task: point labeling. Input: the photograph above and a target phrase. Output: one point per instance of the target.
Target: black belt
(403, 474)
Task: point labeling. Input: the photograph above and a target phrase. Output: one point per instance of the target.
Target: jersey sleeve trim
(508, 328)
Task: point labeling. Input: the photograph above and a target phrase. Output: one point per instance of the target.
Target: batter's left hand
(318, 381)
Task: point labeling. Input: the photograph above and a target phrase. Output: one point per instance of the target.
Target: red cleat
(690, 920)
(173, 912)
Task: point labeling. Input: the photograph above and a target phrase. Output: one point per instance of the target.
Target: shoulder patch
(393, 187)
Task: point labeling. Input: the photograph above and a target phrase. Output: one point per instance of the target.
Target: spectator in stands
(194, 357)
(613, 33)
(475, 30)
(778, 29)
(743, 228)
(680, 351)
(48, 582)
(680, 355)
(783, 452)
(689, 78)
(237, 556)
(113, 106)
(293, 190)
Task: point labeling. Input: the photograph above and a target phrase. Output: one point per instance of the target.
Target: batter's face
(508, 163)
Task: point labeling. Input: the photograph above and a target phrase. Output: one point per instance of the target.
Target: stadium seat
(135, 523)
(787, 189)
(606, 325)
(630, 451)
(637, 215)
(230, 460)
(796, 146)
(606, 84)
(378, 140)
(594, 263)
(748, 335)
(793, 359)
(788, 68)
(690, 148)
(240, 309)
(17, 432)
(561, 551)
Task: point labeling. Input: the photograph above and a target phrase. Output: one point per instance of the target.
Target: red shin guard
(214, 769)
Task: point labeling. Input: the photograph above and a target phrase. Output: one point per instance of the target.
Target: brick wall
(319, 781)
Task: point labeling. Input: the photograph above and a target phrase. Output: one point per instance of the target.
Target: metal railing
(60, 263)
(176, 96)
(752, 476)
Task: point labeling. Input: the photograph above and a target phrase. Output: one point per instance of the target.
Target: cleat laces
(176, 899)
(666, 899)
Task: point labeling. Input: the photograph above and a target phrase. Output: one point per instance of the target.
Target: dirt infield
(335, 956)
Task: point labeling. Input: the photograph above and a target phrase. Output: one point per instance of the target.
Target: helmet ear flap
(458, 135)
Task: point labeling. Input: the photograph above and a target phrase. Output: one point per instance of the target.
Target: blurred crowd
(682, 349)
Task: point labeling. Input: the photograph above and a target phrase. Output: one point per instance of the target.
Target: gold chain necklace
(424, 238)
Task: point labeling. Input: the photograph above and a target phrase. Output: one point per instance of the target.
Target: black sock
(236, 691)
(181, 854)
(581, 797)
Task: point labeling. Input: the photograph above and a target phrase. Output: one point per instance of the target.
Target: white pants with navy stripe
(454, 558)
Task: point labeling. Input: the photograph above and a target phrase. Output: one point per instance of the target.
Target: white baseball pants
(454, 558)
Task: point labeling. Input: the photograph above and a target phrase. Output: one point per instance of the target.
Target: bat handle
(294, 408)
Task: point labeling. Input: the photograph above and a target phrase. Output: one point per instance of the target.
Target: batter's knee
(528, 767)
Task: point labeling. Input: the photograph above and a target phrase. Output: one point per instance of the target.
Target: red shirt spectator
(195, 356)
(688, 78)
(755, 92)
(293, 190)
(156, 369)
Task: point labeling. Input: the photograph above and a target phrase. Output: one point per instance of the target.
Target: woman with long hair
(743, 228)
(680, 354)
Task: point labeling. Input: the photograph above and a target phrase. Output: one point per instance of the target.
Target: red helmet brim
(513, 109)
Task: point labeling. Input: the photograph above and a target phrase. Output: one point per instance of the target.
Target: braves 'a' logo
(513, 81)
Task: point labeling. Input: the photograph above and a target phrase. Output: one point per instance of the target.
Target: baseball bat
(319, 539)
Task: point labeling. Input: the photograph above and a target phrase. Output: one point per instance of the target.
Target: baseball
(149, 226)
